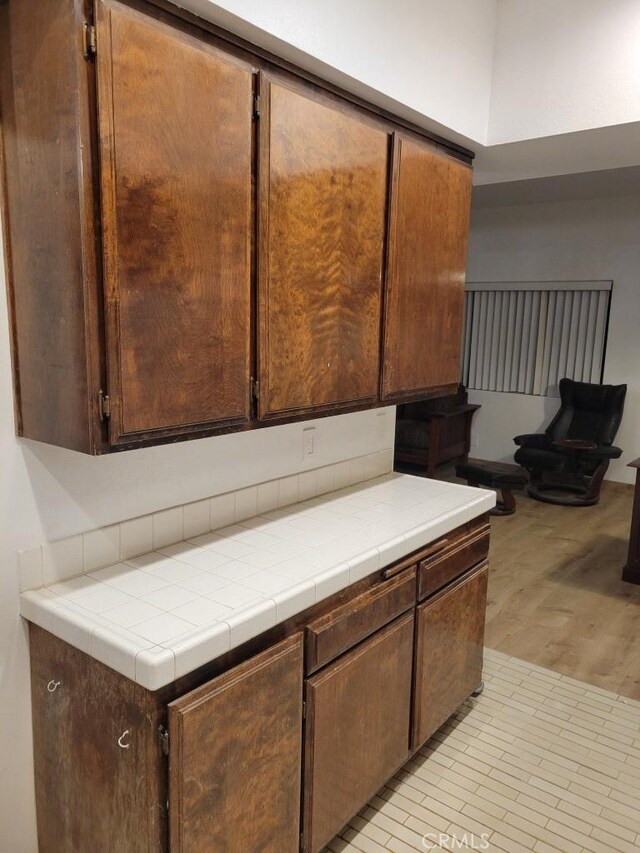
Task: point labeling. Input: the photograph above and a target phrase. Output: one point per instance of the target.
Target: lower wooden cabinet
(448, 657)
(234, 764)
(257, 758)
(99, 772)
(356, 730)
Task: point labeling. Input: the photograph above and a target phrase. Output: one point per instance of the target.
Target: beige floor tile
(409, 836)
(391, 808)
(628, 819)
(612, 828)
(362, 842)
(398, 846)
(508, 845)
(402, 795)
(566, 835)
(484, 811)
(539, 762)
(459, 786)
(597, 797)
(629, 799)
(370, 830)
(612, 843)
(542, 847)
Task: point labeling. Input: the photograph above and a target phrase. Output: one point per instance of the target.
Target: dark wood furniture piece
(275, 745)
(494, 475)
(631, 570)
(196, 233)
(568, 461)
(431, 432)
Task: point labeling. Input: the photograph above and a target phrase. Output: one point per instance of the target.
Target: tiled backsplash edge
(53, 562)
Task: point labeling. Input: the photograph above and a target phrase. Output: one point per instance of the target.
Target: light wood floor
(555, 594)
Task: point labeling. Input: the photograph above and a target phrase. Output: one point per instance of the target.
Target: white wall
(564, 67)
(47, 493)
(428, 60)
(578, 240)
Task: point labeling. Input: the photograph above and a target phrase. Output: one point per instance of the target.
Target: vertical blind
(523, 337)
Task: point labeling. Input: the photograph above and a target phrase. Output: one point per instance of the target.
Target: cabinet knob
(52, 686)
(122, 739)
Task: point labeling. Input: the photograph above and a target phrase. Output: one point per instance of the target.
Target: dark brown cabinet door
(429, 223)
(323, 184)
(449, 643)
(91, 794)
(356, 730)
(234, 764)
(175, 120)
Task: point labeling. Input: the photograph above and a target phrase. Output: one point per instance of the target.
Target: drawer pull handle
(52, 686)
(387, 574)
(121, 742)
(391, 572)
(435, 549)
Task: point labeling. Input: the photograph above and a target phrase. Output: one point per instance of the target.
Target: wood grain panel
(356, 730)
(342, 628)
(176, 139)
(49, 221)
(323, 184)
(91, 794)
(234, 766)
(435, 572)
(429, 223)
(449, 644)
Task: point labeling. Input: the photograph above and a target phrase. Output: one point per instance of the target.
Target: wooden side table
(631, 570)
(447, 433)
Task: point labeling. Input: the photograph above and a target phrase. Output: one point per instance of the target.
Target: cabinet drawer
(452, 561)
(334, 633)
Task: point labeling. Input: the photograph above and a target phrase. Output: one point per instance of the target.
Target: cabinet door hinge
(104, 405)
(302, 840)
(304, 710)
(256, 107)
(90, 42)
(255, 389)
(163, 736)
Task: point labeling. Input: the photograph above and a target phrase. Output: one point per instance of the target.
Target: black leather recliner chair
(567, 462)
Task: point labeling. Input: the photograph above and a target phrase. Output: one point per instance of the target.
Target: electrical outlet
(308, 442)
(475, 440)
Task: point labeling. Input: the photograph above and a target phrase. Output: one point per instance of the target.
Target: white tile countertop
(159, 616)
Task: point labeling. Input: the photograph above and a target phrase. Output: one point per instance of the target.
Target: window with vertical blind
(523, 337)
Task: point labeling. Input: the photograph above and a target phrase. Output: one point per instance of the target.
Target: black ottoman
(493, 475)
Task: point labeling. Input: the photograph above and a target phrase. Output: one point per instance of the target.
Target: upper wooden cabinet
(50, 222)
(429, 222)
(197, 237)
(175, 120)
(323, 188)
